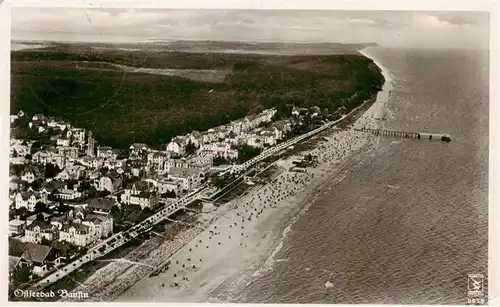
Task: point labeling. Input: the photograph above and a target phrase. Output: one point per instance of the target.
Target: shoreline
(221, 280)
(277, 206)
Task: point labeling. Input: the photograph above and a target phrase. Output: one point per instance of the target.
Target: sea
(409, 223)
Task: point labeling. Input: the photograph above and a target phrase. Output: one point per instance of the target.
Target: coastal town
(69, 194)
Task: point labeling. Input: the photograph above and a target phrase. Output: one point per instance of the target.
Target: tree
(71, 182)
(116, 213)
(62, 207)
(45, 242)
(171, 194)
(84, 186)
(92, 192)
(36, 185)
(190, 148)
(247, 152)
(51, 170)
(22, 274)
(104, 170)
(36, 146)
(103, 193)
(22, 211)
(52, 195)
(219, 160)
(40, 207)
(39, 217)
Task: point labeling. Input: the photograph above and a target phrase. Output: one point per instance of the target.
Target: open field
(76, 83)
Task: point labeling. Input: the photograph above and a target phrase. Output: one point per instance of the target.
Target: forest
(87, 89)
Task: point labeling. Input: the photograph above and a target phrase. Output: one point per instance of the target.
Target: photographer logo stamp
(475, 285)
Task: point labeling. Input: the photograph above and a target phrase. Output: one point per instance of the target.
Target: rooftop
(36, 252)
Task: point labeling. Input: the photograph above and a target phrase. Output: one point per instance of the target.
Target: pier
(407, 134)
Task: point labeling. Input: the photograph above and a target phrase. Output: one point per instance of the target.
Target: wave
(270, 261)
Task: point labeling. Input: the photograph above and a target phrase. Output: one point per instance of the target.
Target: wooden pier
(407, 135)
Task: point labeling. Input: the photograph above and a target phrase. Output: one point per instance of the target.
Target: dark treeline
(122, 108)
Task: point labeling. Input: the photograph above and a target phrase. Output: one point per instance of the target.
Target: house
(221, 132)
(69, 153)
(255, 141)
(97, 163)
(177, 145)
(268, 137)
(75, 171)
(84, 229)
(52, 123)
(77, 234)
(45, 217)
(19, 148)
(193, 137)
(144, 199)
(283, 127)
(156, 160)
(102, 205)
(208, 136)
(50, 187)
(137, 187)
(168, 185)
(58, 124)
(63, 142)
(219, 148)
(137, 149)
(112, 182)
(68, 194)
(63, 175)
(86, 161)
(103, 224)
(49, 156)
(77, 134)
(16, 227)
(39, 117)
(31, 173)
(139, 193)
(27, 200)
(38, 230)
(28, 176)
(190, 177)
(40, 257)
(106, 152)
(59, 221)
(232, 154)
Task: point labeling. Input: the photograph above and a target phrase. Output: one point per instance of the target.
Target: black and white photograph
(249, 155)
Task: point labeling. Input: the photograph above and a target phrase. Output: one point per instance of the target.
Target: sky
(412, 29)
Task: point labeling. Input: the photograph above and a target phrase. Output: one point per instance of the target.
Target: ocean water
(409, 223)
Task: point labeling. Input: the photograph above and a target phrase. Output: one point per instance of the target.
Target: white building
(165, 185)
(190, 178)
(140, 193)
(68, 194)
(177, 145)
(77, 134)
(27, 200)
(38, 230)
(106, 152)
(63, 142)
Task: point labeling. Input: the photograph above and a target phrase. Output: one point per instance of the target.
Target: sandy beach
(236, 242)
